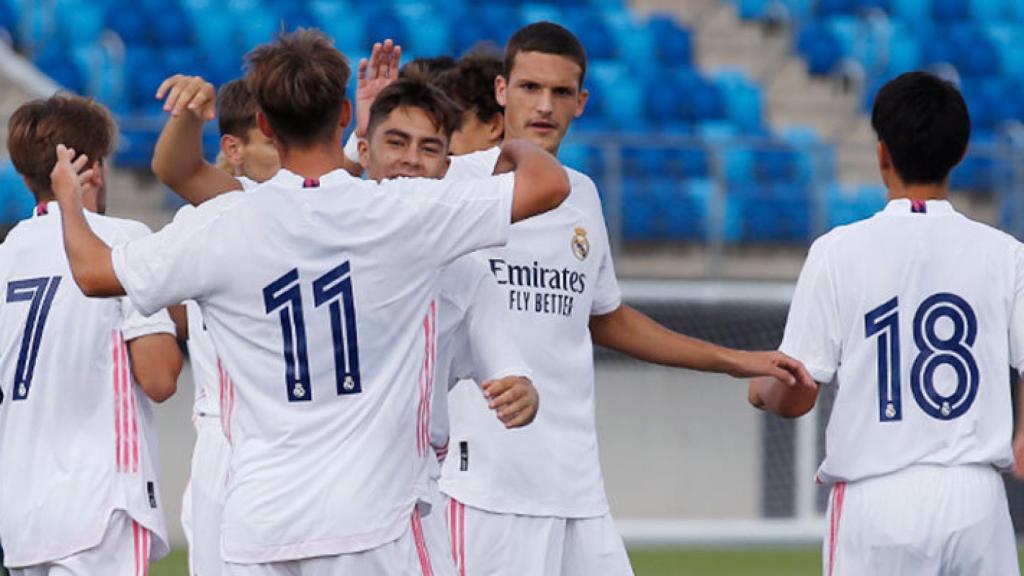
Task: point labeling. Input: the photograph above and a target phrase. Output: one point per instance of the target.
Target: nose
(545, 102)
(411, 157)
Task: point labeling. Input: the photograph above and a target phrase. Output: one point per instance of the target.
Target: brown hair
(236, 110)
(416, 92)
(471, 82)
(298, 82)
(427, 68)
(37, 127)
(546, 38)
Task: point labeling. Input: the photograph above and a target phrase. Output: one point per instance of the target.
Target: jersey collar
(290, 179)
(908, 206)
(44, 208)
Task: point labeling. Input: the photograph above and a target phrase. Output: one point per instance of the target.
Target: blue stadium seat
(673, 45)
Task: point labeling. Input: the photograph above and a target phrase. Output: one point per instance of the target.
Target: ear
(364, 152)
(231, 146)
(581, 103)
(264, 125)
(884, 159)
(496, 127)
(501, 89)
(346, 114)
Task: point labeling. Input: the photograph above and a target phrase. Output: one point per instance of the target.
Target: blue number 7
(40, 291)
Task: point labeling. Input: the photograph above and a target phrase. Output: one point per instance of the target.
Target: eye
(530, 86)
(432, 150)
(395, 142)
(565, 92)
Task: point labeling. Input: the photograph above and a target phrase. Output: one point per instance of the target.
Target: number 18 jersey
(916, 313)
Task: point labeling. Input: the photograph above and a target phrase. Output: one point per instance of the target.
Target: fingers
(361, 71)
(167, 85)
(80, 163)
(374, 60)
(797, 372)
(494, 389)
(519, 413)
(395, 61)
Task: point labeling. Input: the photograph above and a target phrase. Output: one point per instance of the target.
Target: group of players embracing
(394, 374)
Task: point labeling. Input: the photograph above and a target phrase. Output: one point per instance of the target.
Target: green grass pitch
(666, 562)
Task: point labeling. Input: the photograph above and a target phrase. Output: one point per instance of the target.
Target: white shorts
(124, 551)
(923, 520)
(203, 503)
(513, 545)
(404, 557)
(434, 527)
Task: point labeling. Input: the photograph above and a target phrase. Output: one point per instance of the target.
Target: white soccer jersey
(554, 273)
(77, 437)
(917, 312)
(206, 372)
(319, 297)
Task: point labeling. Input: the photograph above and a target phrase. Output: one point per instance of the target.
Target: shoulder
(473, 165)
(115, 229)
(461, 278)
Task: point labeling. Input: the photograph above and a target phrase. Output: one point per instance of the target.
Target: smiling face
(406, 143)
(541, 96)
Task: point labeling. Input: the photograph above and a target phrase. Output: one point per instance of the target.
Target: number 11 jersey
(916, 313)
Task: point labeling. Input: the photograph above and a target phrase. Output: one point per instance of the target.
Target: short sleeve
(135, 325)
(460, 216)
(1017, 312)
(812, 328)
(167, 267)
(607, 294)
(481, 353)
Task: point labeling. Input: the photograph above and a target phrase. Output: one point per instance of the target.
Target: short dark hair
(427, 68)
(546, 38)
(415, 92)
(924, 123)
(298, 82)
(37, 127)
(236, 110)
(471, 83)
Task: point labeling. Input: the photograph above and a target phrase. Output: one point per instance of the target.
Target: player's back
(318, 297)
(76, 437)
(923, 300)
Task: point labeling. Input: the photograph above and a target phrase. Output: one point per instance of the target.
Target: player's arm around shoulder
(541, 183)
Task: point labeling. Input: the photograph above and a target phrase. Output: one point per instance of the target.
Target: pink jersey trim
(426, 383)
(838, 494)
(421, 543)
(457, 525)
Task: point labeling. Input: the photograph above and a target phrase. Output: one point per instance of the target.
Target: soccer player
(78, 443)
(251, 158)
(410, 126)
(471, 84)
(322, 467)
(915, 313)
(533, 502)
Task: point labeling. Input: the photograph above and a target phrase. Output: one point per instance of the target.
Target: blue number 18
(933, 351)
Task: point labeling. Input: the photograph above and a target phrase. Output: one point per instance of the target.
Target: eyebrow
(397, 132)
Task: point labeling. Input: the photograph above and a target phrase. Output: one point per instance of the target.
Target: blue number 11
(333, 289)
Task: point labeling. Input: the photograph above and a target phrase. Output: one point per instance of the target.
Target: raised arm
(88, 255)
(178, 158)
(156, 363)
(541, 182)
(633, 333)
(372, 76)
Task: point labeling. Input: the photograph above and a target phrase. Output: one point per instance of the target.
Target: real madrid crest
(580, 244)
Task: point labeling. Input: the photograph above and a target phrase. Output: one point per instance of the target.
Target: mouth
(542, 126)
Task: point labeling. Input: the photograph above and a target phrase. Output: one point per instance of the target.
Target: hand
(67, 176)
(190, 93)
(514, 398)
(1018, 456)
(372, 77)
(774, 364)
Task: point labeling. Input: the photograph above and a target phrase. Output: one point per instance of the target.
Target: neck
(312, 162)
(509, 136)
(918, 191)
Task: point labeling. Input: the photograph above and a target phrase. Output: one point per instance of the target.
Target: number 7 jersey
(77, 437)
(916, 313)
